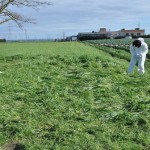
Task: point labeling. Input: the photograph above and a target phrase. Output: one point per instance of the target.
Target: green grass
(45, 48)
(71, 96)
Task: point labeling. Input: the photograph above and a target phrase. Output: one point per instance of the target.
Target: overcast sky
(69, 17)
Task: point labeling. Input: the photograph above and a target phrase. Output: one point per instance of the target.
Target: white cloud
(76, 16)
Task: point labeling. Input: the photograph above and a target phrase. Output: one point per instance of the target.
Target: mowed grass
(46, 48)
(69, 96)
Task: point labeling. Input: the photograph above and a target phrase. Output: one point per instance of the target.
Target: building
(104, 33)
(135, 32)
(127, 33)
(114, 34)
(71, 38)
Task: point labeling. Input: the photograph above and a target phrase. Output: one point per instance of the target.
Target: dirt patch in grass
(13, 146)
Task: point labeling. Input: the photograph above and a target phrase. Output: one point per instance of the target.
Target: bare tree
(6, 14)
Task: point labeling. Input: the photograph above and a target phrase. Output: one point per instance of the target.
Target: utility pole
(9, 32)
(63, 35)
(139, 25)
(26, 36)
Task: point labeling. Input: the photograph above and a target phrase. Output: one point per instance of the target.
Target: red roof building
(135, 32)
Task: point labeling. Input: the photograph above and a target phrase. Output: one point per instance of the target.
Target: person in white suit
(138, 50)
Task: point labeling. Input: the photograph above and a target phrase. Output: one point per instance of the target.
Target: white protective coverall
(138, 55)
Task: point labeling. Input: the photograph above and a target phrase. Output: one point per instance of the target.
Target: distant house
(135, 32)
(127, 33)
(114, 34)
(90, 34)
(71, 38)
(102, 33)
(74, 38)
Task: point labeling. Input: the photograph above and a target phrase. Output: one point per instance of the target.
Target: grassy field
(45, 48)
(71, 96)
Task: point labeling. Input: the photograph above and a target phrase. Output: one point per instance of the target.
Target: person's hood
(141, 39)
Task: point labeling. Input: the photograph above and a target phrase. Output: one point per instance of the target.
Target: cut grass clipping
(82, 101)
